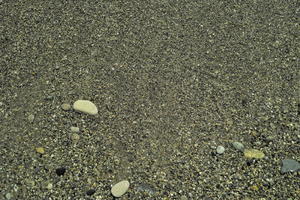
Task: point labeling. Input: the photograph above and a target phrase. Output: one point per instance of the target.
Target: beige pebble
(75, 137)
(85, 106)
(66, 106)
(120, 188)
(253, 153)
(74, 129)
(40, 150)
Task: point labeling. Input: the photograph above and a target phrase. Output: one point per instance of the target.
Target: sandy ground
(172, 80)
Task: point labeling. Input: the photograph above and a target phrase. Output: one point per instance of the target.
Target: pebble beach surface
(156, 100)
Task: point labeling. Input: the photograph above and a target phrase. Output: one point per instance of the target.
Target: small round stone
(220, 149)
(66, 106)
(75, 137)
(85, 106)
(238, 146)
(120, 188)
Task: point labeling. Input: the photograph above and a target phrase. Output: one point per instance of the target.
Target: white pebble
(85, 106)
(220, 149)
(120, 188)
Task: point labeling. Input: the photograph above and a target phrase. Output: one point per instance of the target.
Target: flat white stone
(120, 188)
(85, 106)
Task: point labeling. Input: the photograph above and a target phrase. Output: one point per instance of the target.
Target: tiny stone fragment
(31, 118)
(49, 186)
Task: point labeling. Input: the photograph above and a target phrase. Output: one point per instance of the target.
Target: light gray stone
(289, 165)
(238, 146)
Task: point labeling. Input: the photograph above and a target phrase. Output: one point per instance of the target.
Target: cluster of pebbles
(120, 188)
(87, 107)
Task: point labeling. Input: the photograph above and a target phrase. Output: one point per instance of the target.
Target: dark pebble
(90, 192)
(60, 171)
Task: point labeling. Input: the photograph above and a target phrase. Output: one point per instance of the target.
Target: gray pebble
(238, 146)
(289, 165)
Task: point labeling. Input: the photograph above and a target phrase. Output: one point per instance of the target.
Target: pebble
(253, 153)
(49, 186)
(120, 188)
(146, 188)
(66, 106)
(238, 146)
(85, 106)
(40, 150)
(31, 118)
(8, 196)
(75, 138)
(289, 165)
(74, 129)
(220, 149)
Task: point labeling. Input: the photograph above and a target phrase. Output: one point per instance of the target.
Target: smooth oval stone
(238, 146)
(85, 106)
(120, 188)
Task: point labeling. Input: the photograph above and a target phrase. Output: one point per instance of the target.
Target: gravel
(169, 79)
